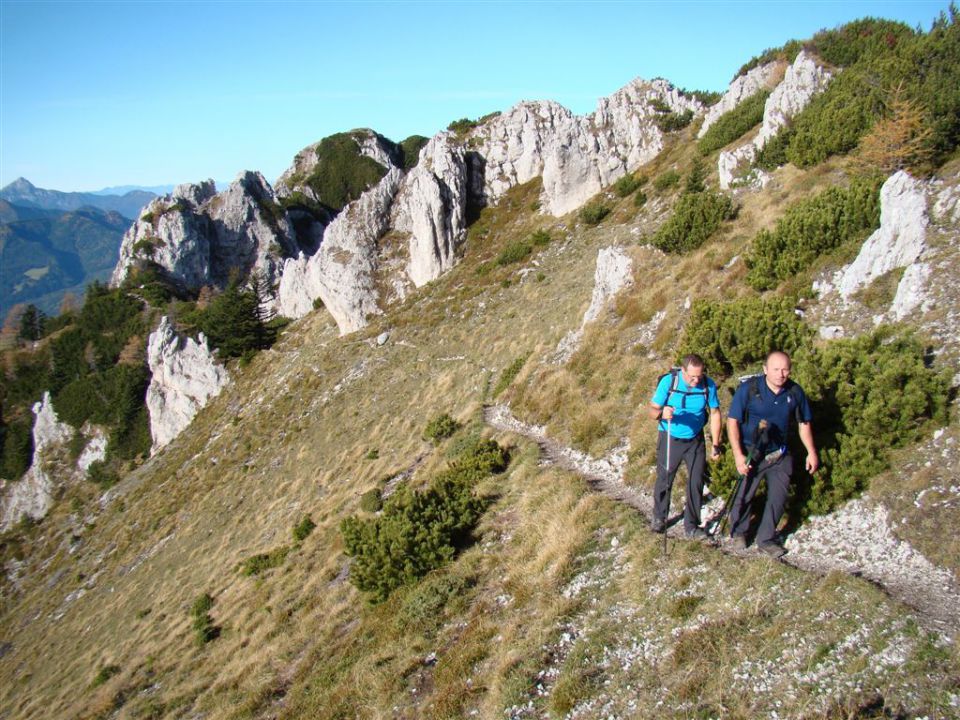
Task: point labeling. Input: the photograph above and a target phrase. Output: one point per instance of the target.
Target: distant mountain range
(45, 253)
(124, 189)
(22, 192)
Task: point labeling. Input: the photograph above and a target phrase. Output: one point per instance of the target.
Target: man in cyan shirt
(682, 402)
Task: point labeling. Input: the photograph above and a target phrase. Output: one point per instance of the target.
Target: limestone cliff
(185, 376)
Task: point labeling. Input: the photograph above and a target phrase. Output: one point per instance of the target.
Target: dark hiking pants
(777, 473)
(691, 452)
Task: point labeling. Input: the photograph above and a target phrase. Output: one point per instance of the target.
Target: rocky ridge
(743, 87)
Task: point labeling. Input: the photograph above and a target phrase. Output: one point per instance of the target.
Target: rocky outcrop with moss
(802, 81)
(742, 87)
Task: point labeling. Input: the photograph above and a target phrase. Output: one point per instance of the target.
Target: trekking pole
(751, 459)
(667, 471)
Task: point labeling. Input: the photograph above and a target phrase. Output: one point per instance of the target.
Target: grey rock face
(32, 495)
(341, 272)
(576, 156)
(199, 237)
(185, 376)
(432, 207)
(898, 242)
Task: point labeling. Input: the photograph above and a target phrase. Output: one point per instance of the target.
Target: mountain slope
(196, 588)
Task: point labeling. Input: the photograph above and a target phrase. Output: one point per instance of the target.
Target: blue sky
(95, 94)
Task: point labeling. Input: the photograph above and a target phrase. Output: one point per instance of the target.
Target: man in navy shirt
(681, 403)
(773, 397)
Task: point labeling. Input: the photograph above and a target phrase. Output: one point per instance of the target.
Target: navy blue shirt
(779, 410)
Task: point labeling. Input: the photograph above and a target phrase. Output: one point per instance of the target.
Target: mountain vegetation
(344, 532)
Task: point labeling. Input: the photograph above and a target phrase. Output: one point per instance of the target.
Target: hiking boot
(738, 542)
(773, 549)
(696, 533)
(658, 526)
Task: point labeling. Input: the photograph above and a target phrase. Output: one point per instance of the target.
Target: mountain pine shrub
(516, 251)
(16, 448)
(695, 218)
(628, 183)
(410, 150)
(811, 228)
(672, 121)
(256, 564)
(593, 213)
(509, 374)
(420, 531)
(734, 123)
(302, 530)
(665, 180)
(735, 337)
(204, 629)
(342, 172)
(440, 428)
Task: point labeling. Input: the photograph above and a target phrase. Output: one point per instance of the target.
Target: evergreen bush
(811, 228)
(593, 213)
(627, 184)
(16, 448)
(420, 531)
(256, 564)
(204, 629)
(666, 180)
(516, 251)
(440, 428)
(695, 218)
(509, 374)
(302, 529)
(342, 172)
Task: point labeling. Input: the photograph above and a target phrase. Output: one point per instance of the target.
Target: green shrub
(787, 52)
(256, 564)
(627, 184)
(203, 627)
(593, 213)
(509, 374)
(774, 153)
(16, 448)
(706, 97)
(102, 474)
(881, 58)
(870, 395)
(696, 178)
(671, 122)
(372, 454)
(302, 530)
(695, 218)
(371, 501)
(425, 607)
(736, 336)
(104, 674)
(440, 428)
(462, 126)
(811, 228)
(734, 123)
(410, 150)
(342, 172)
(666, 180)
(540, 238)
(420, 531)
(640, 199)
(515, 251)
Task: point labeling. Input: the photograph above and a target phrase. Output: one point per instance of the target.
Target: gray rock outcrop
(342, 272)
(802, 81)
(576, 156)
(199, 237)
(898, 242)
(32, 495)
(742, 87)
(614, 273)
(185, 376)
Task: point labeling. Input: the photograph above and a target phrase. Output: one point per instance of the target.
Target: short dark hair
(692, 359)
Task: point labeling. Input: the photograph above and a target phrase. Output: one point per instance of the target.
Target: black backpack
(701, 389)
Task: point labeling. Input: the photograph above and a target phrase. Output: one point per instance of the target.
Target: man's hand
(715, 453)
(742, 467)
(667, 412)
(813, 462)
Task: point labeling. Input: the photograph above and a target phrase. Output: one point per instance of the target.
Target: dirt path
(856, 539)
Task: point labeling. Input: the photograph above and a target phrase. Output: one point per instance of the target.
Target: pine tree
(31, 323)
